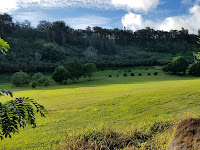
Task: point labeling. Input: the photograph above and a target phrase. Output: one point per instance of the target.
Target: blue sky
(132, 14)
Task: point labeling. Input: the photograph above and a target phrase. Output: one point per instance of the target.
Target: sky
(131, 14)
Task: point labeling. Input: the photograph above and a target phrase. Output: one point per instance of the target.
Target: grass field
(121, 102)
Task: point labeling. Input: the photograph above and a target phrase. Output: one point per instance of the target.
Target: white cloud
(136, 5)
(8, 5)
(190, 21)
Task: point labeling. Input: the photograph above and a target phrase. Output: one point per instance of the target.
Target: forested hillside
(51, 44)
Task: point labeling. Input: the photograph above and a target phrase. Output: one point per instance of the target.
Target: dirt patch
(187, 136)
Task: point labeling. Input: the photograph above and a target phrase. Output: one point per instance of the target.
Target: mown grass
(125, 103)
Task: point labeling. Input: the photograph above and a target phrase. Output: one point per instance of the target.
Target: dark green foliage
(52, 43)
(64, 82)
(43, 79)
(132, 74)
(178, 65)
(20, 79)
(149, 74)
(46, 83)
(195, 69)
(36, 77)
(139, 74)
(60, 74)
(34, 84)
(18, 113)
(125, 74)
(155, 73)
(89, 69)
(75, 68)
(117, 75)
(110, 76)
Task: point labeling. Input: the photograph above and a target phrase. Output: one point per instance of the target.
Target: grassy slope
(123, 102)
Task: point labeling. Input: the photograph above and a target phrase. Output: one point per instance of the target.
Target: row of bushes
(23, 79)
(132, 74)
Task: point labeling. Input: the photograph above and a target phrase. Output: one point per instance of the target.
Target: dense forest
(52, 44)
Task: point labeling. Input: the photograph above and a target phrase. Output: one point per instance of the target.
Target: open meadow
(123, 103)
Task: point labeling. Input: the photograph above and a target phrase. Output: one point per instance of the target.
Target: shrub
(46, 83)
(36, 77)
(155, 73)
(139, 74)
(64, 82)
(129, 70)
(178, 65)
(146, 69)
(149, 74)
(132, 74)
(110, 76)
(117, 76)
(60, 74)
(42, 80)
(125, 74)
(20, 79)
(195, 69)
(33, 84)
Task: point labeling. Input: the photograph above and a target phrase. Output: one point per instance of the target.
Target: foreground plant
(17, 113)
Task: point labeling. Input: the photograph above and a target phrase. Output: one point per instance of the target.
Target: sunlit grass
(122, 102)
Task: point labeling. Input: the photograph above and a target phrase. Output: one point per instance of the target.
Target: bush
(36, 77)
(117, 75)
(60, 74)
(195, 69)
(132, 74)
(139, 74)
(149, 74)
(178, 65)
(64, 82)
(155, 73)
(42, 80)
(129, 70)
(110, 76)
(46, 83)
(125, 74)
(20, 79)
(33, 84)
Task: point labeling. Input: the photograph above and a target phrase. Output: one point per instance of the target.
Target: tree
(18, 112)
(178, 65)
(195, 69)
(60, 74)
(20, 79)
(89, 69)
(75, 68)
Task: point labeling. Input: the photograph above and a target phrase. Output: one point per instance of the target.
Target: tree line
(50, 44)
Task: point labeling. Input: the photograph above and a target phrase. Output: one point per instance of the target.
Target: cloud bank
(136, 5)
(191, 21)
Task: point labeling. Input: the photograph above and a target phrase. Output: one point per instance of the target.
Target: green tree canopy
(178, 65)
(89, 69)
(75, 68)
(60, 74)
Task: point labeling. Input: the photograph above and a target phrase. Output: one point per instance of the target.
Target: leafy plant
(60, 74)
(20, 79)
(34, 84)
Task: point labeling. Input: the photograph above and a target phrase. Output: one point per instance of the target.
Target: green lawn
(123, 102)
